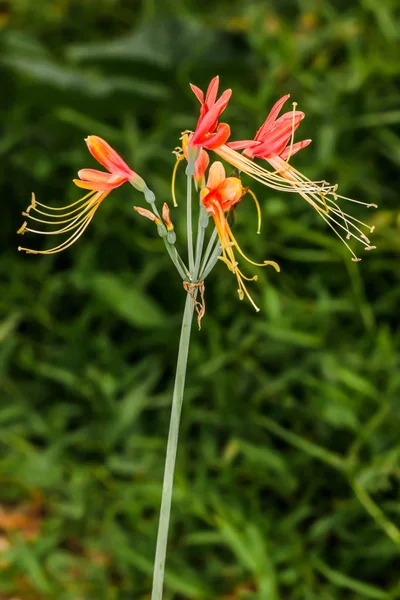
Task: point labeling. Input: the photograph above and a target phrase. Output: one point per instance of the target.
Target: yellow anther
(22, 229)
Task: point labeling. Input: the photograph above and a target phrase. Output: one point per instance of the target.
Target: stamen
(339, 236)
(178, 160)
(87, 206)
(35, 202)
(22, 229)
(66, 214)
(76, 221)
(73, 238)
(254, 278)
(272, 180)
(77, 224)
(312, 198)
(252, 194)
(368, 205)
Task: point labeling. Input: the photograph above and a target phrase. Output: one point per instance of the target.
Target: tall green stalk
(177, 399)
(162, 536)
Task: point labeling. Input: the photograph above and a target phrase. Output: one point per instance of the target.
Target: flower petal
(212, 91)
(198, 93)
(274, 112)
(108, 157)
(208, 122)
(295, 148)
(230, 191)
(216, 175)
(94, 175)
(219, 138)
(242, 144)
(96, 180)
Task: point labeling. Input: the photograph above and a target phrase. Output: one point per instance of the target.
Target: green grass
(288, 473)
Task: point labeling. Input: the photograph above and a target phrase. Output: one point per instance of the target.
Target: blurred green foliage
(288, 474)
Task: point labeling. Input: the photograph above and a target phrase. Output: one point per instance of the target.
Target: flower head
(271, 143)
(211, 109)
(219, 196)
(274, 135)
(118, 171)
(74, 218)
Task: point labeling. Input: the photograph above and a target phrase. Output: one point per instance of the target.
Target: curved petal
(216, 175)
(107, 156)
(94, 175)
(230, 190)
(274, 112)
(208, 122)
(242, 144)
(295, 148)
(277, 138)
(219, 138)
(205, 192)
(298, 116)
(212, 91)
(113, 182)
(197, 92)
(201, 165)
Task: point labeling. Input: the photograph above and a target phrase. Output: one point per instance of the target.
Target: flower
(92, 179)
(218, 197)
(273, 136)
(75, 217)
(205, 135)
(271, 143)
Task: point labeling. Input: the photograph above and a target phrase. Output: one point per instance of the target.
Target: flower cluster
(219, 195)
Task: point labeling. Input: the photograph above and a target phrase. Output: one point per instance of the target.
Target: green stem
(207, 253)
(176, 259)
(162, 536)
(212, 261)
(189, 225)
(201, 229)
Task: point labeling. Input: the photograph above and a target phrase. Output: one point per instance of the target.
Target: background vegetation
(288, 474)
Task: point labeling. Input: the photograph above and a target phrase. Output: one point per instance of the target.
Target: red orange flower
(219, 196)
(272, 144)
(75, 217)
(273, 136)
(205, 135)
(118, 171)
(220, 190)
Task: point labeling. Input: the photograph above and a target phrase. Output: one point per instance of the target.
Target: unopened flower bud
(171, 235)
(201, 165)
(166, 217)
(148, 214)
